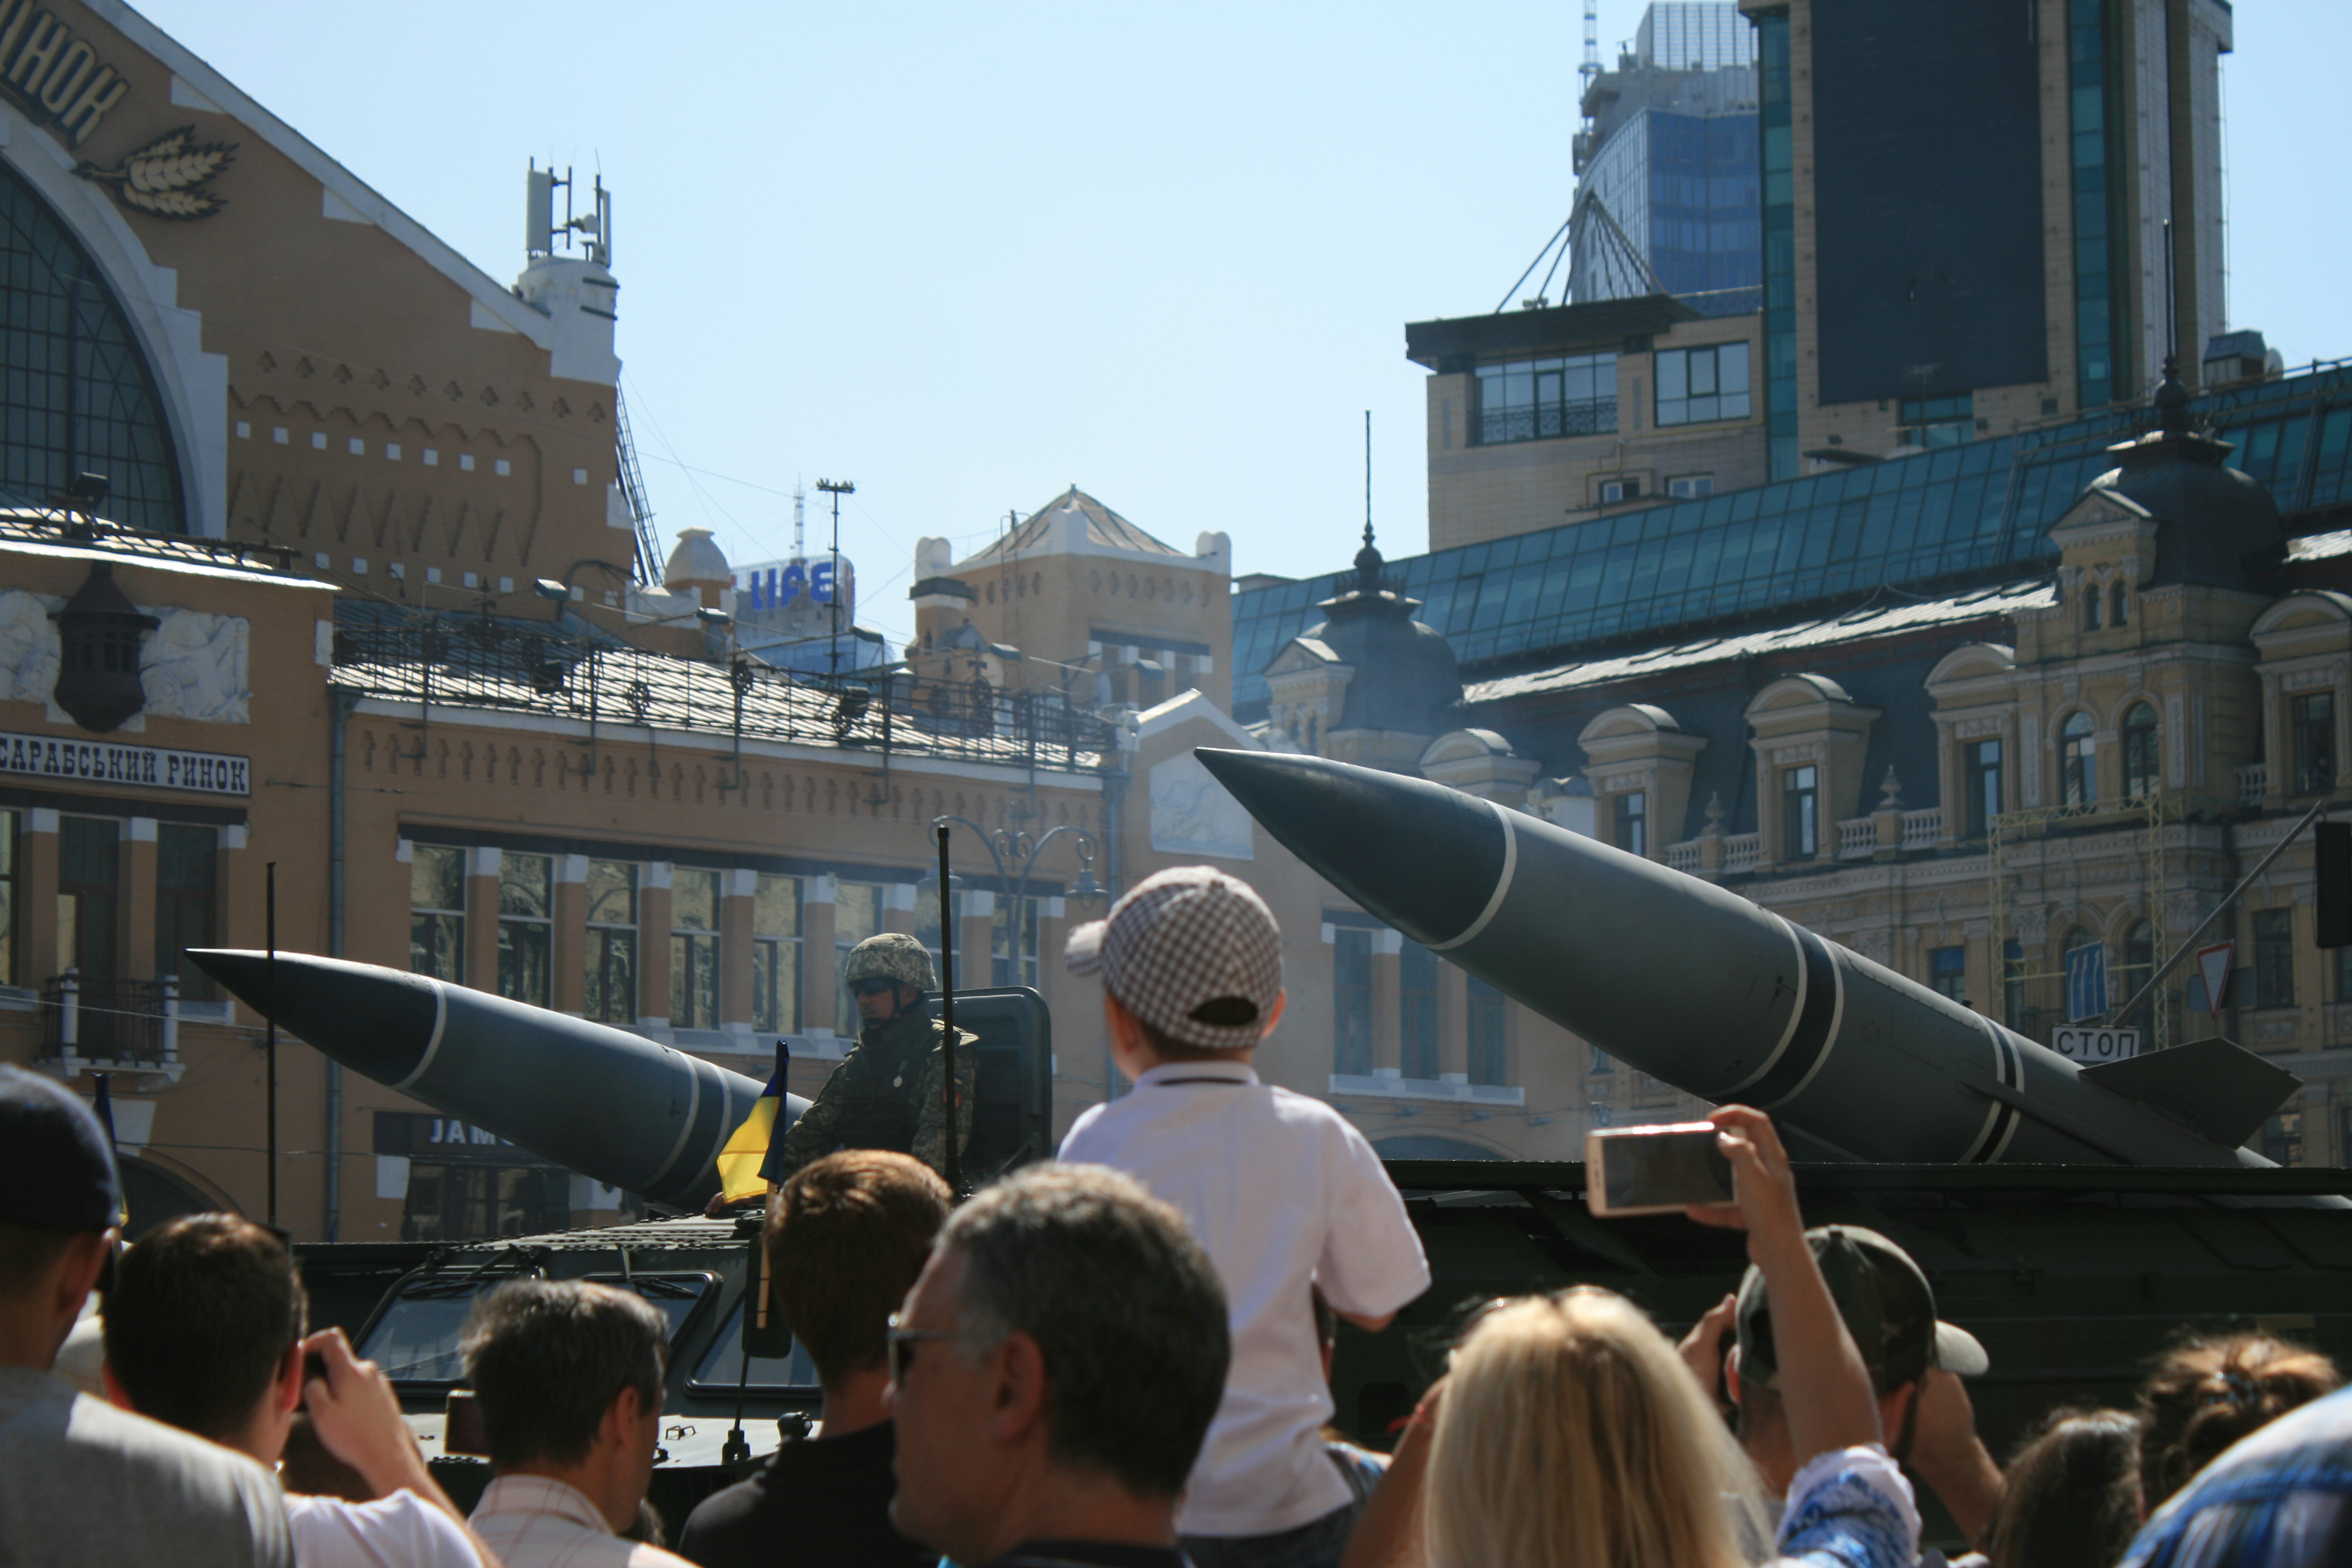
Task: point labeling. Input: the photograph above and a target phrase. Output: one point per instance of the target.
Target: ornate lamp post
(1005, 845)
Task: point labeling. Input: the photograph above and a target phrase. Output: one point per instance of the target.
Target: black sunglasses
(871, 987)
(899, 1345)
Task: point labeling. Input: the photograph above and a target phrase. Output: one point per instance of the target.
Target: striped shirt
(2281, 1498)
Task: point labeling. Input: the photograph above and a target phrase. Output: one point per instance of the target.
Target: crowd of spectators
(1121, 1359)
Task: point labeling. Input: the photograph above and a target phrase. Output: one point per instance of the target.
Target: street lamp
(1006, 844)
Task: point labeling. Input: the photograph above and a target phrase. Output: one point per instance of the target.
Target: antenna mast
(1591, 65)
(800, 528)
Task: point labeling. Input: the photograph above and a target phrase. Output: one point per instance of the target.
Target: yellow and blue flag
(742, 1163)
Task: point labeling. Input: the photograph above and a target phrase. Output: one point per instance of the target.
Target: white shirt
(532, 1522)
(401, 1530)
(1284, 1194)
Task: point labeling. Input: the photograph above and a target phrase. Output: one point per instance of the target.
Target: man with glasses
(1053, 1374)
(889, 1092)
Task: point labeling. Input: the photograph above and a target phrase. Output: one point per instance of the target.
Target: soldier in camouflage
(887, 1094)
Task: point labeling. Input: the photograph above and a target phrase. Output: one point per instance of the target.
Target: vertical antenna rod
(947, 1016)
(833, 594)
(269, 920)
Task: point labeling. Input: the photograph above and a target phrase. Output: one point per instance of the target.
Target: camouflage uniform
(887, 1094)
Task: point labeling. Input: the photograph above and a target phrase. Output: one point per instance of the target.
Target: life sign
(2089, 1046)
(2087, 983)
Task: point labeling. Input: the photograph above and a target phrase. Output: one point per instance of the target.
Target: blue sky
(966, 255)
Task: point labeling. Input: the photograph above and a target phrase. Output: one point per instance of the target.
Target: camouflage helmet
(892, 955)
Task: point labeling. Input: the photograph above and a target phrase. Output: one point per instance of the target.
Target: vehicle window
(722, 1366)
(416, 1340)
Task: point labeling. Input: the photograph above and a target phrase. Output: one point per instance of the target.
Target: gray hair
(548, 1357)
(1125, 1308)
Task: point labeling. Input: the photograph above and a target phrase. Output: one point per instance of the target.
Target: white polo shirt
(1284, 1194)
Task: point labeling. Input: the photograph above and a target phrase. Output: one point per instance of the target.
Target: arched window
(2140, 771)
(77, 396)
(2092, 600)
(2118, 607)
(2078, 762)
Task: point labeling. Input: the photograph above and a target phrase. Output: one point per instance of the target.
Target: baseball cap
(1886, 1304)
(1192, 952)
(56, 1171)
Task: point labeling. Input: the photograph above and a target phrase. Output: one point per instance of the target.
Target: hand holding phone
(1654, 1170)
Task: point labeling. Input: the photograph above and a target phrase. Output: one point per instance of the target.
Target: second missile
(1701, 988)
(606, 1103)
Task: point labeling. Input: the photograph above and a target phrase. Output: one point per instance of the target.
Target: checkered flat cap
(1192, 952)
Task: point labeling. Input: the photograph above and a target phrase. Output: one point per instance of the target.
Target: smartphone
(461, 1426)
(1654, 1170)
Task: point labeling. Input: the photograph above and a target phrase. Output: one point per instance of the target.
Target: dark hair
(1170, 1049)
(28, 1253)
(2071, 1495)
(202, 1311)
(1124, 1306)
(548, 1357)
(846, 1235)
(2208, 1391)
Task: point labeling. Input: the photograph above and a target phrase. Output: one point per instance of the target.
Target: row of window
(617, 944)
(2311, 759)
(2271, 973)
(87, 914)
(1576, 394)
(1417, 1016)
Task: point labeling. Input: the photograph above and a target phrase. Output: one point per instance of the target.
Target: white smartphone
(1654, 1170)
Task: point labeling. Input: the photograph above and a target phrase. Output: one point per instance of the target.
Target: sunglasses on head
(872, 987)
(899, 1346)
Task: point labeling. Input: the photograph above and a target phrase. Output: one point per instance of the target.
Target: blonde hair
(1570, 1434)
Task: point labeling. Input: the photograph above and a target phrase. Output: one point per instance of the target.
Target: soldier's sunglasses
(901, 1343)
(871, 987)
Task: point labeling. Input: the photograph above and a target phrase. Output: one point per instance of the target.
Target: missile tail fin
(2216, 1088)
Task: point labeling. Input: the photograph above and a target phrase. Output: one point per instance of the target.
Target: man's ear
(114, 1394)
(1020, 1401)
(621, 1418)
(289, 1377)
(1731, 1384)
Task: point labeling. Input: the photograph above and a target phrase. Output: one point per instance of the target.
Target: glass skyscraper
(1670, 153)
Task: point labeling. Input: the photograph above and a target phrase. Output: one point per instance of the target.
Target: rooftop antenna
(800, 527)
(542, 232)
(1591, 65)
(1368, 476)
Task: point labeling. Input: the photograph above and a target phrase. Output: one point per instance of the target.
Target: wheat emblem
(166, 177)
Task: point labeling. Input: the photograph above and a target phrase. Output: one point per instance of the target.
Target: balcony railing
(1740, 851)
(465, 661)
(1498, 426)
(2253, 783)
(89, 1019)
(1923, 829)
(1683, 856)
(1857, 838)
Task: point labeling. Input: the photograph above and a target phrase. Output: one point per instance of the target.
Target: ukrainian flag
(740, 1161)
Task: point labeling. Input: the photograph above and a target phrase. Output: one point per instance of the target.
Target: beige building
(1542, 416)
(1967, 788)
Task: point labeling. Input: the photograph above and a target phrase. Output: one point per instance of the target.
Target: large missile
(1697, 986)
(604, 1103)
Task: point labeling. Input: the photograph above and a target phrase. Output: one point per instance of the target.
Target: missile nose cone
(376, 1021)
(1421, 856)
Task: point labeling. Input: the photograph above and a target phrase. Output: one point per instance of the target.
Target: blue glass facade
(2101, 339)
(1981, 509)
(1777, 147)
(1706, 234)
